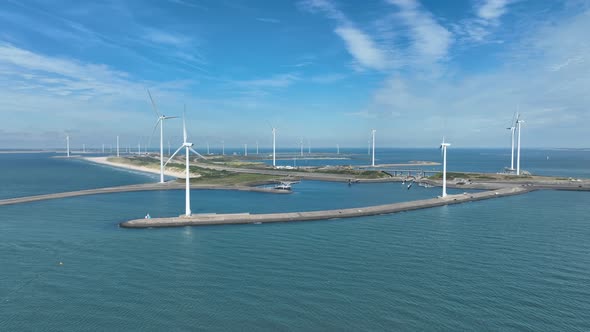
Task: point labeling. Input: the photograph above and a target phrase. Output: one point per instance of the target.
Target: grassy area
(211, 176)
(364, 174)
(479, 176)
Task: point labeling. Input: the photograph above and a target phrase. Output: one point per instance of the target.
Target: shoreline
(167, 172)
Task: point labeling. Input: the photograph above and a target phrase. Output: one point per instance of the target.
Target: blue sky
(327, 71)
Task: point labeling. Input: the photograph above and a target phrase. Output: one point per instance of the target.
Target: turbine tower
(188, 149)
(443, 147)
(512, 129)
(301, 146)
(518, 124)
(160, 121)
(274, 158)
(117, 145)
(257, 147)
(373, 159)
(337, 149)
(245, 149)
(68, 146)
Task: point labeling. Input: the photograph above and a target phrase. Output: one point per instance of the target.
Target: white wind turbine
(443, 147)
(518, 124)
(373, 138)
(188, 149)
(68, 145)
(512, 129)
(160, 121)
(274, 156)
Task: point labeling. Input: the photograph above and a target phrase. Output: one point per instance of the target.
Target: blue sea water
(567, 163)
(513, 263)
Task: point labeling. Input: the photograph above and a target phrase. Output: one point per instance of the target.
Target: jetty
(171, 185)
(247, 218)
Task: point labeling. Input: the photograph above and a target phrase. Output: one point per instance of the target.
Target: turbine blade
(174, 154)
(195, 152)
(170, 117)
(153, 103)
(153, 132)
(184, 126)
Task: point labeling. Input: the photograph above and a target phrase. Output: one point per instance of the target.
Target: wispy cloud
(161, 37)
(487, 17)
(363, 48)
(492, 9)
(383, 49)
(430, 40)
(366, 52)
(549, 82)
(268, 20)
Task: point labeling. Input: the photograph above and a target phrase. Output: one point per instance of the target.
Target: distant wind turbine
(518, 124)
(117, 145)
(373, 138)
(274, 158)
(512, 129)
(246, 149)
(160, 121)
(443, 147)
(68, 146)
(188, 149)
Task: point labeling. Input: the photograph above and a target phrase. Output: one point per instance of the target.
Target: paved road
(172, 185)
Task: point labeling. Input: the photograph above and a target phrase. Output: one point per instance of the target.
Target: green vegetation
(361, 174)
(211, 176)
(479, 176)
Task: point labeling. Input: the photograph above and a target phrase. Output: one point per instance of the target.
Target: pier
(247, 218)
(172, 185)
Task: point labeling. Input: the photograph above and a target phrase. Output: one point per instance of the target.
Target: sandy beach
(167, 171)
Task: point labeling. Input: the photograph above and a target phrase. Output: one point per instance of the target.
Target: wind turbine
(337, 149)
(274, 136)
(301, 146)
(512, 129)
(117, 145)
(443, 147)
(245, 149)
(373, 137)
(518, 122)
(188, 149)
(68, 146)
(257, 147)
(160, 121)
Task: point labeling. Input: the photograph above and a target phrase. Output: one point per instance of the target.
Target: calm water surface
(514, 263)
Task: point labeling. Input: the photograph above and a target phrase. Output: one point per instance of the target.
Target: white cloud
(362, 48)
(492, 9)
(430, 40)
(268, 20)
(549, 81)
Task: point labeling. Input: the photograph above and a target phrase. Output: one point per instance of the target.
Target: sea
(517, 263)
